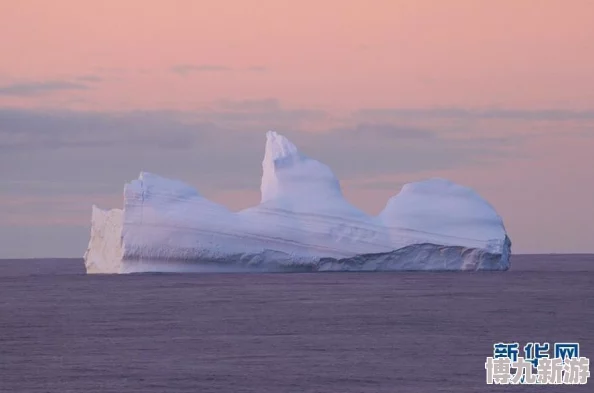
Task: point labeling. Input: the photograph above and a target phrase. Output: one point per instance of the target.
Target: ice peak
(289, 173)
(278, 147)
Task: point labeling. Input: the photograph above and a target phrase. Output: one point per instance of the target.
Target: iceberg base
(418, 257)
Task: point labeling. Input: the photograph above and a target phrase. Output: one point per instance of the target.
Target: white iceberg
(303, 223)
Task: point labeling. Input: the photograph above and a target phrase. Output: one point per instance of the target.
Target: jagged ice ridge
(303, 223)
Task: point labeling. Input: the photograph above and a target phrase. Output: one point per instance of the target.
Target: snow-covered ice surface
(303, 223)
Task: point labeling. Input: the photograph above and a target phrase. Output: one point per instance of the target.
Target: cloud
(49, 240)
(373, 130)
(90, 78)
(216, 148)
(266, 104)
(257, 69)
(259, 114)
(33, 130)
(186, 69)
(51, 129)
(476, 114)
(379, 149)
(29, 89)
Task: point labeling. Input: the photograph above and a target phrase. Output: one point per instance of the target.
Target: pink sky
(337, 56)
(333, 53)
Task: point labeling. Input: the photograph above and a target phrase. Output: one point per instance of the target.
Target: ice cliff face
(303, 223)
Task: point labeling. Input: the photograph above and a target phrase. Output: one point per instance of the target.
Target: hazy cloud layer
(90, 78)
(262, 114)
(499, 114)
(257, 69)
(22, 130)
(374, 130)
(187, 69)
(216, 148)
(27, 89)
(48, 240)
(266, 104)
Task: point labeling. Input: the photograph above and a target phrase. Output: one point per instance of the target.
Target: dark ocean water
(62, 331)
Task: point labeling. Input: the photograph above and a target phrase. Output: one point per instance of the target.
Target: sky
(494, 95)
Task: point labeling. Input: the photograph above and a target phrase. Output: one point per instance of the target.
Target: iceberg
(303, 223)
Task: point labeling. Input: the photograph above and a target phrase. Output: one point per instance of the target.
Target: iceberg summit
(303, 223)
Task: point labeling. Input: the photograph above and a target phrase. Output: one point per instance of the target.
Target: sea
(63, 331)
